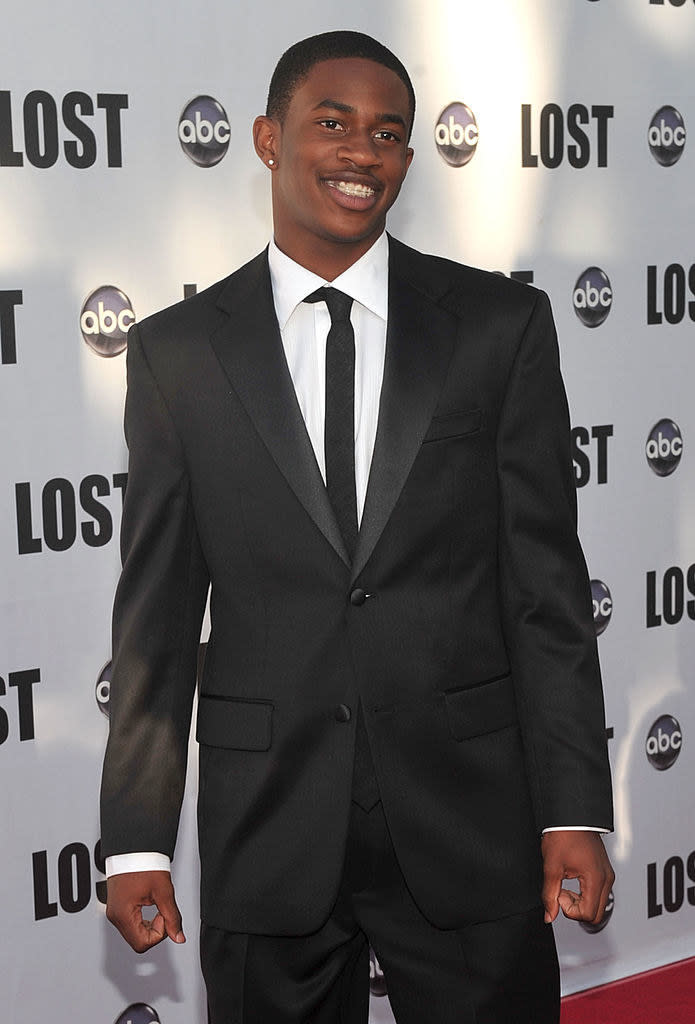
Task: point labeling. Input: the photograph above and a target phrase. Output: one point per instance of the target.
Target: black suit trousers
(499, 972)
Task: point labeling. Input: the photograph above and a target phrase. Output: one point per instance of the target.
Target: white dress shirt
(304, 328)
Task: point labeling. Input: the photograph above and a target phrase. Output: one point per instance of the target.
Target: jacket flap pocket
(481, 709)
(234, 724)
(457, 424)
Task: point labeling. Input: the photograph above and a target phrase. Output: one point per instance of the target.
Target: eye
(331, 124)
(388, 135)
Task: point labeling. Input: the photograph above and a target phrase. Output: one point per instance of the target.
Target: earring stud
(271, 163)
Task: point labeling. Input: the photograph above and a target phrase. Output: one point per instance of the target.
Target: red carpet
(663, 996)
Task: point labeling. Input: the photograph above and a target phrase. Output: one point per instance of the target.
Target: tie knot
(339, 304)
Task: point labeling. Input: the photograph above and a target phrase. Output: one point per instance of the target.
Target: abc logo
(664, 742)
(667, 136)
(102, 691)
(204, 131)
(664, 447)
(377, 981)
(602, 604)
(105, 318)
(592, 297)
(594, 929)
(456, 134)
(138, 1013)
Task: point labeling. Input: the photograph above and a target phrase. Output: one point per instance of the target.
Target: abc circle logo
(105, 318)
(138, 1013)
(594, 929)
(664, 742)
(592, 296)
(204, 131)
(664, 447)
(102, 691)
(667, 136)
(456, 134)
(602, 604)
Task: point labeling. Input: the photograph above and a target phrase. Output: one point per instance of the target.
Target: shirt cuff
(575, 828)
(124, 863)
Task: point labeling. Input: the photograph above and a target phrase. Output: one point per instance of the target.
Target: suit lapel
(419, 345)
(250, 350)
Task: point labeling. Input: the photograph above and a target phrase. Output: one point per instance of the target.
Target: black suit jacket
(474, 654)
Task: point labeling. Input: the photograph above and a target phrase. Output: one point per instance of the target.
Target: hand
(569, 854)
(128, 893)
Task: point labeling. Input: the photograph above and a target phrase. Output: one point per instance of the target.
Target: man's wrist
(125, 863)
(576, 828)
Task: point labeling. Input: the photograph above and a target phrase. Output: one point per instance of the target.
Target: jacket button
(358, 597)
(342, 713)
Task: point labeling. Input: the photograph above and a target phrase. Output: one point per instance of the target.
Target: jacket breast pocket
(475, 711)
(234, 724)
(456, 424)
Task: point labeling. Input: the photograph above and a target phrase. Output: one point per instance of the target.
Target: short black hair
(296, 63)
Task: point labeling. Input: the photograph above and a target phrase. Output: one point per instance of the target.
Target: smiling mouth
(354, 189)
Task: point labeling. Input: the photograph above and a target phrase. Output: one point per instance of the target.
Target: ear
(266, 131)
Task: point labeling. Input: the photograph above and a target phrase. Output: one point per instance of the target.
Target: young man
(400, 720)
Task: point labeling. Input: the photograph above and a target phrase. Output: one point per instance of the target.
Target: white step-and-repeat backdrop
(551, 144)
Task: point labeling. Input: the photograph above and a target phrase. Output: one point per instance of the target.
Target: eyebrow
(345, 108)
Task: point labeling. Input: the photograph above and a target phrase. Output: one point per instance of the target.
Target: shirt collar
(366, 281)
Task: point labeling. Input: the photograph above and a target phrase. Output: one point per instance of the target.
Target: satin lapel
(249, 348)
(419, 345)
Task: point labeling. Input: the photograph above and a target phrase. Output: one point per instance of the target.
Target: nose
(360, 149)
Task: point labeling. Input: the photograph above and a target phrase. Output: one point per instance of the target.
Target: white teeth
(353, 188)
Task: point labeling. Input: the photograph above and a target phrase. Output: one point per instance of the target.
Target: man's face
(340, 156)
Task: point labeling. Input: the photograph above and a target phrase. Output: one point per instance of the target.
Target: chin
(353, 233)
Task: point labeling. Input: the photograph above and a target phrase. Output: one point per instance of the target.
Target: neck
(324, 257)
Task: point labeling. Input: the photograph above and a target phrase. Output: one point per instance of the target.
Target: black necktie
(339, 442)
(339, 433)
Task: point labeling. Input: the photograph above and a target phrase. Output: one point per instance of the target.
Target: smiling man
(365, 452)
(338, 165)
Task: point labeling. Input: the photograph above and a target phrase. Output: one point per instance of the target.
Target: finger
(605, 896)
(145, 933)
(170, 917)
(582, 905)
(156, 928)
(551, 891)
(570, 903)
(140, 934)
(603, 878)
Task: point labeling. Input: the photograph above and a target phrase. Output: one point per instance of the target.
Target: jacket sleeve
(158, 610)
(545, 594)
